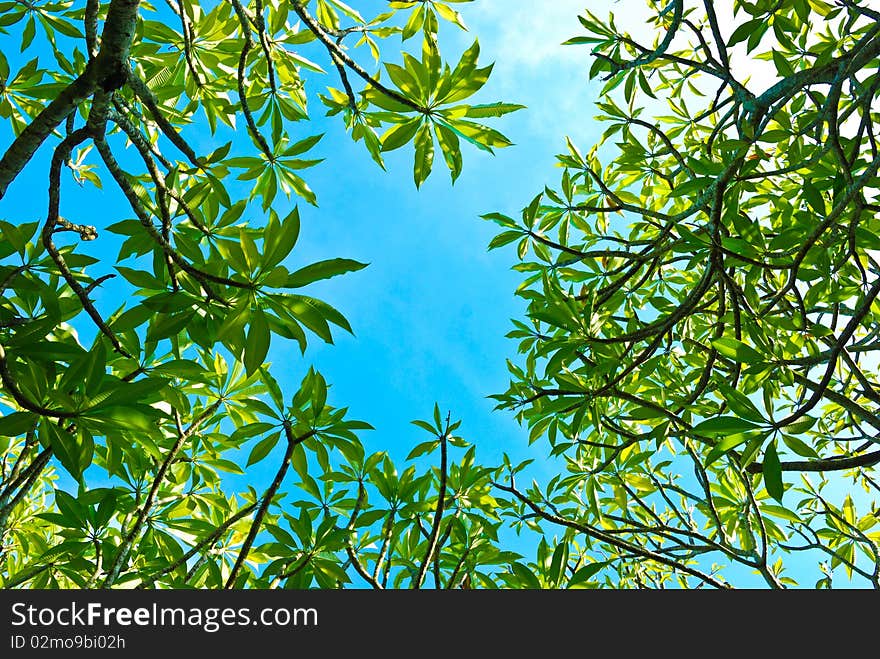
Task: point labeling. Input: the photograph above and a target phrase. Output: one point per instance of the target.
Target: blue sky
(431, 311)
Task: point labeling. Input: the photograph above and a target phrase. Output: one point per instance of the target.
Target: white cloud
(527, 35)
(524, 38)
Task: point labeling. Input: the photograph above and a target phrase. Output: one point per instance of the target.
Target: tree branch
(337, 52)
(266, 501)
(438, 513)
(125, 547)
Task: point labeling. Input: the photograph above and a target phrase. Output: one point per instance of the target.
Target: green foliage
(157, 417)
(700, 348)
(699, 355)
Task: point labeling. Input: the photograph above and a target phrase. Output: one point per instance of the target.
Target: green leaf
(404, 81)
(504, 238)
(772, 470)
(414, 24)
(249, 430)
(424, 425)
(74, 453)
(263, 448)
(315, 315)
(586, 572)
(799, 447)
(140, 278)
(385, 102)
(449, 14)
(737, 350)
(732, 441)
(438, 421)
(492, 110)
(723, 424)
(424, 158)
(127, 418)
(740, 404)
(780, 511)
(744, 31)
(558, 562)
(396, 136)
(526, 577)
(450, 146)
(225, 465)
(813, 197)
(423, 448)
(274, 390)
(322, 270)
(17, 423)
(143, 390)
(849, 510)
(280, 239)
(800, 426)
(257, 346)
(480, 136)
(303, 145)
(27, 36)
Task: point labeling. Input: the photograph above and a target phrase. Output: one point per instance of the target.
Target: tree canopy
(698, 357)
(144, 416)
(701, 341)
